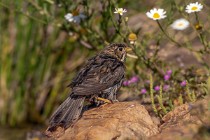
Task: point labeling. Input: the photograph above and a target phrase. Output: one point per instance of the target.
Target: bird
(98, 82)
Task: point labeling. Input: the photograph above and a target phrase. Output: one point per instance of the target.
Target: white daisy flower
(76, 19)
(69, 17)
(180, 24)
(120, 11)
(156, 14)
(194, 7)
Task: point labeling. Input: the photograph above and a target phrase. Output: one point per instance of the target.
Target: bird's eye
(120, 49)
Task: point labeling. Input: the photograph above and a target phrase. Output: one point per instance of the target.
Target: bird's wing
(100, 78)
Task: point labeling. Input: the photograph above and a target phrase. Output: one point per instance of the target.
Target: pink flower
(169, 72)
(143, 91)
(125, 83)
(183, 83)
(134, 79)
(157, 88)
(166, 77)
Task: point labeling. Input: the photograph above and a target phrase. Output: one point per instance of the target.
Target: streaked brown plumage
(102, 76)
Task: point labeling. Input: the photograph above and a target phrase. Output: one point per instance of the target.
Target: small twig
(166, 34)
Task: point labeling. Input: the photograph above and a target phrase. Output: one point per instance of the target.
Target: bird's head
(117, 50)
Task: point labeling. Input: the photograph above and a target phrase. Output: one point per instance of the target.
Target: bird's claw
(104, 100)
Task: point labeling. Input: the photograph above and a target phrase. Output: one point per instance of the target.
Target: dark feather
(67, 113)
(99, 76)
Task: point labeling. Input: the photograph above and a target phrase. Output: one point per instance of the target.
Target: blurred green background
(37, 60)
(39, 57)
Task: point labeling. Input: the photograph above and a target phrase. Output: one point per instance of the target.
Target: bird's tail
(67, 113)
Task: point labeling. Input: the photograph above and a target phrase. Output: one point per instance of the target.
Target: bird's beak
(128, 49)
(132, 56)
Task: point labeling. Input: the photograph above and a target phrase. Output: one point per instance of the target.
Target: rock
(122, 120)
(188, 121)
(130, 120)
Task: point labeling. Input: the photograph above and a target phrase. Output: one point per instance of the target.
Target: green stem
(152, 95)
(196, 17)
(117, 27)
(200, 35)
(170, 38)
(160, 100)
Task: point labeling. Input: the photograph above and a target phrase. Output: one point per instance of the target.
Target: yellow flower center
(156, 15)
(120, 12)
(180, 24)
(194, 8)
(132, 37)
